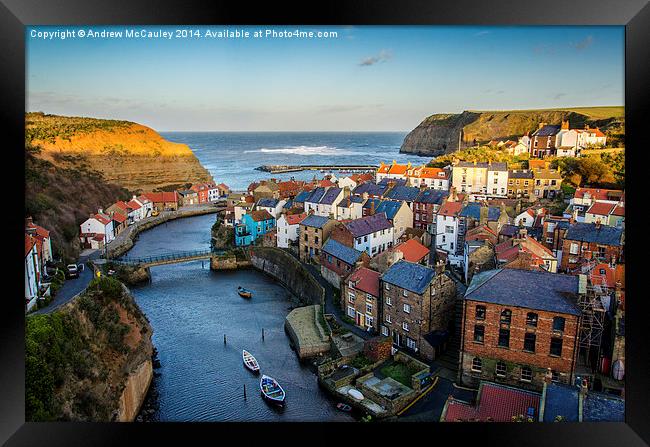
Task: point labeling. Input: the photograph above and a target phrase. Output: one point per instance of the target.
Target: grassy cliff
(81, 359)
(128, 154)
(443, 133)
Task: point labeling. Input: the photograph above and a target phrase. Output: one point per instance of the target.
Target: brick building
(586, 241)
(313, 232)
(416, 301)
(521, 184)
(425, 207)
(518, 323)
(360, 298)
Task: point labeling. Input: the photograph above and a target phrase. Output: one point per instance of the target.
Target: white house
(350, 207)
(213, 193)
(447, 221)
(288, 227)
(372, 234)
(497, 179)
(96, 231)
(347, 182)
(528, 217)
(323, 201)
(32, 272)
(592, 137)
(43, 239)
(273, 206)
(434, 178)
(146, 204)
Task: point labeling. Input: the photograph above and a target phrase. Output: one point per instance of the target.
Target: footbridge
(168, 258)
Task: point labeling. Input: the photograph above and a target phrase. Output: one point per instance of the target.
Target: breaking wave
(306, 150)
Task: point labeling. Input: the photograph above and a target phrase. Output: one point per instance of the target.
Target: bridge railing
(180, 255)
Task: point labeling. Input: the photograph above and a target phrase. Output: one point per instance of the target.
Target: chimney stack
(565, 124)
(372, 207)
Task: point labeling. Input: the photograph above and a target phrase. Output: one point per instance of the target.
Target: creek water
(190, 309)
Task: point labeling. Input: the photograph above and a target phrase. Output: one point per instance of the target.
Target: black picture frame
(633, 14)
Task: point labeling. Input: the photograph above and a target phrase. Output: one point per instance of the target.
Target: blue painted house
(253, 225)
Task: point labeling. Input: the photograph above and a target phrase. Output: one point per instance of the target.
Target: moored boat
(271, 390)
(244, 293)
(250, 362)
(343, 407)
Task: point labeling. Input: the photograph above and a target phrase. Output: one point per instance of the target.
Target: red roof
(325, 183)
(601, 208)
(438, 173)
(119, 218)
(619, 211)
(102, 218)
(40, 231)
(134, 205)
(260, 215)
(29, 244)
(596, 193)
(450, 208)
(412, 250)
(295, 219)
(158, 197)
(98, 237)
(366, 280)
(496, 402)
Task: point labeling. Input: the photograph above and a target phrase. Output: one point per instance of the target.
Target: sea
(231, 157)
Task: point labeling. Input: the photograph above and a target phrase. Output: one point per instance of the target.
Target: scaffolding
(592, 324)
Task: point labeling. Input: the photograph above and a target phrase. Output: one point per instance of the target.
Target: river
(190, 309)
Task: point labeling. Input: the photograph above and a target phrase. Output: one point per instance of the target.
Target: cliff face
(128, 154)
(89, 360)
(444, 133)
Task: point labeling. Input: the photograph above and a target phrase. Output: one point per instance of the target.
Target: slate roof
(366, 280)
(316, 195)
(520, 173)
(302, 196)
(396, 181)
(389, 207)
(409, 276)
(314, 221)
(268, 202)
(587, 232)
(407, 193)
(372, 189)
(343, 252)
(540, 290)
(330, 195)
(600, 407)
(494, 166)
(547, 131)
(434, 196)
(497, 402)
(561, 400)
(473, 210)
(368, 225)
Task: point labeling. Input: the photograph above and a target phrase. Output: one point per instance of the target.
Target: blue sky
(368, 78)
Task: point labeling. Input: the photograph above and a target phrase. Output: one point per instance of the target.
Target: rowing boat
(271, 390)
(250, 361)
(244, 293)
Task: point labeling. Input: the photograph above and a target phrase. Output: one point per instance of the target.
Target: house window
(531, 319)
(365, 239)
(351, 297)
(555, 376)
(388, 320)
(477, 364)
(501, 369)
(405, 293)
(410, 343)
(351, 312)
(405, 326)
(479, 333)
(368, 308)
(480, 312)
(449, 229)
(558, 324)
(369, 321)
(388, 288)
(573, 249)
(407, 308)
(369, 297)
(526, 374)
(384, 331)
(506, 316)
(556, 346)
(504, 338)
(529, 342)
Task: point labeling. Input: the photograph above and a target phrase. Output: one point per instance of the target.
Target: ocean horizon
(231, 157)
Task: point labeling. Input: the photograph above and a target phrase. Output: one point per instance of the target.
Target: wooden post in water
(244, 391)
(224, 339)
(262, 334)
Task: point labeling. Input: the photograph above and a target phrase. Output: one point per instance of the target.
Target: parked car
(72, 271)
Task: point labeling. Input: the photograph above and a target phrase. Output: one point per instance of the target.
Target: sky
(366, 78)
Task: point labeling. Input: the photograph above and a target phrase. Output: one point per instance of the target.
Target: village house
(253, 225)
(222, 191)
(350, 207)
(532, 217)
(526, 253)
(42, 240)
(289, 189)
(32, 273)
(520, 147)
(611, 214)
(273, 206)
(313, 199)
(372, 234)
(413, 251)
(313, 232)
(236, 197)
(516, 324)
(425, 208)
(146, 204)
(478, 253)
(474, 214)
(347, 182)
(416, 301)
(497, 179)
(266, 189)
(543, 141)
(554, 230)
(447, 229)
(96, 231)
(245, 206)
(548, 182)
(120, 222)
(392, 171)
(592, 137)
(585, 241)
(567, 141)
(397, 213)
(163, 201)
(469, 177)
(202, 191)
(521, 184)
(188, 197)
(360, 298)
(337, 261)
(299, 200)
(371, 190)
(434, 178)
(406, 194)
(327, 206)
(584, 198)
(288, 226)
